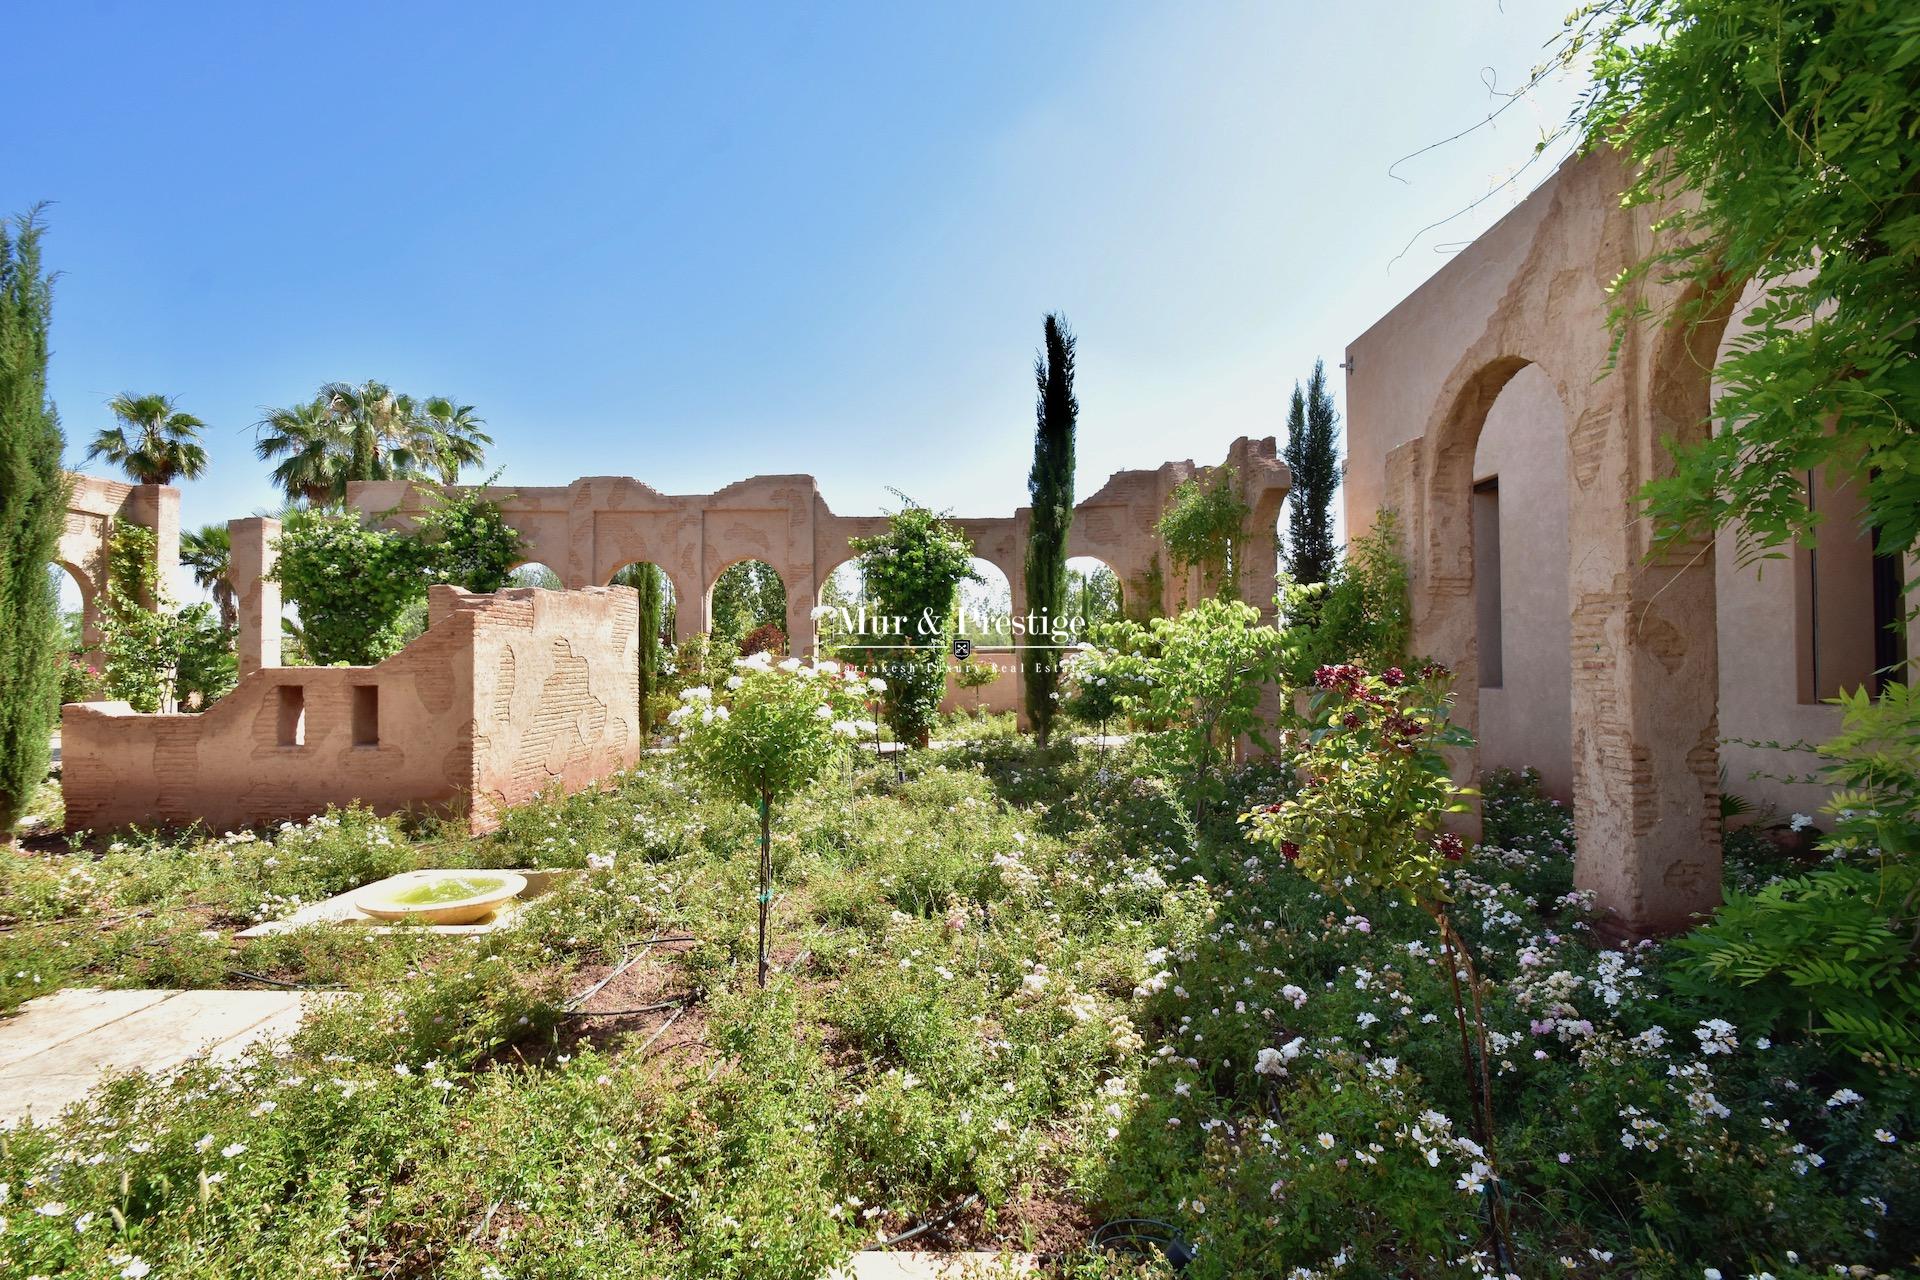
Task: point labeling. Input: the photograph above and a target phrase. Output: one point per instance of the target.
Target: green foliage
(207, 553)
(1093, 599)
(1195, 679)
(1360, 615)
(1837, 950)
(1203, 526)
(1027, 976)
(1312, 453)
(650, 581)
(772, 729)
(352, 585)
(1050, 493)
(368, 432)
(1785, 132)
(465, 540)
(747, 596)
(912, 575)
(33, 502)
(361, 592)
(153, 441)
(154, 657)
(1374, 787)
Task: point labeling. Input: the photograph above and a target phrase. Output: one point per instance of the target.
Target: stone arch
(1642, 653)
(803, 606)
(90, 635)
(1086, 566)
(529, 572)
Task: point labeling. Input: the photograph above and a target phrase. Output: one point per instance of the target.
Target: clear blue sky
(695, 243)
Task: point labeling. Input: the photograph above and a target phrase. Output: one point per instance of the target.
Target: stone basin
(440, 897)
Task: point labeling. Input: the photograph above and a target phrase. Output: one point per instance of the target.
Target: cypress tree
(1312, 454)
(1050, 489)
(33, 504)
(652, 614)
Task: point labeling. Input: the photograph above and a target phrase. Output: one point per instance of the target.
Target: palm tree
(208, 553)
(312, 447)
(368, 432)
(153, 441)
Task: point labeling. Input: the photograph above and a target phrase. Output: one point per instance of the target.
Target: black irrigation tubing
(662, 1030)
(678, 1002)
(276, 982)
(940, 1219)
(625, 964)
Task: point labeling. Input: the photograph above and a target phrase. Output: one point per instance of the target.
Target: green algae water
(433, 893)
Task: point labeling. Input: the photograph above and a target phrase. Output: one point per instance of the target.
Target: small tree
(466, 540)
(1376, 788)
(33, 504)
(1198, 677)
(352, 585)
(1313, 455)
(1361, 614)
(912, 573)
(1202, 526)
(1050, 489)
(650, 582)
(774, 729)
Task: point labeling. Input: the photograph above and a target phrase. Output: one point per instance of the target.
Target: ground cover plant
(1022, 985)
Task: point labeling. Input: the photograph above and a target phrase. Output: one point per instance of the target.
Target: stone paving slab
(937, 1266)
(340, 909)
(57, 1048)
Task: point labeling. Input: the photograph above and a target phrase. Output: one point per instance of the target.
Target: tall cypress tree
(33, 504)
(652, 616)
(1313, 455)
(1050, 488)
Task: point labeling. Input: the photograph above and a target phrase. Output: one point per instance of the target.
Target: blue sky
(701, 242)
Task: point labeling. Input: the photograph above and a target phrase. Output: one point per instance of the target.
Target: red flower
(1451, 846)
(1289, 850)
(1393, 677)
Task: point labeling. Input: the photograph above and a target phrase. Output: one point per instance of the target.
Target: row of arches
(750, 594)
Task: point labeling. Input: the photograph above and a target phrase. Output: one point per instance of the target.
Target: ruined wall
(1642, 652)
(422, 730)
(556, 691)
(95, 503)
(589, 530)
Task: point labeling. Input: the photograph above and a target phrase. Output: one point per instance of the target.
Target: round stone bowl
(440, 897)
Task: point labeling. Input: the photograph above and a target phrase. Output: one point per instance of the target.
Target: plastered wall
(501, 697)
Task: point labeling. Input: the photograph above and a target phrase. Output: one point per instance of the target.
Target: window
(366, 715)
(1486, 578)
(293, 715)
(1847, 598)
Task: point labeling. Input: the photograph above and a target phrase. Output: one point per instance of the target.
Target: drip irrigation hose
(1142, 1236)
(941, 1219)
(678, 1002)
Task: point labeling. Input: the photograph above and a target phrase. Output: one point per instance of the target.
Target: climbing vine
(1204, 525)
(154, 656)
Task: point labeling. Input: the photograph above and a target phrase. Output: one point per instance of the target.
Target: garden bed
(1015, 976)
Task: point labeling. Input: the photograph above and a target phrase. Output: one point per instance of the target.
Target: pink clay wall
(501, 697)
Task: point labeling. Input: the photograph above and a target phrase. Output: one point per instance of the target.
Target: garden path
(60, 1046)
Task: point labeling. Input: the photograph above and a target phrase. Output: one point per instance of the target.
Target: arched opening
(1095, 594)
(986, 607)
(534, 574)
(654, 657)
(843, 592)
(79, 651)
(1522, 620)
(747, 608)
